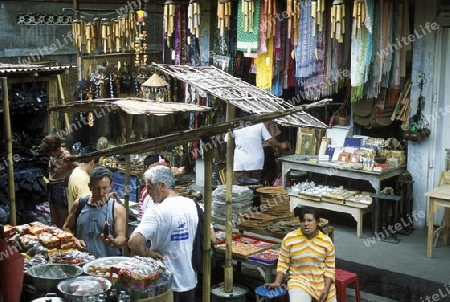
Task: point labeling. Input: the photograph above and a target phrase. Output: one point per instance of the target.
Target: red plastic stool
(342, 279)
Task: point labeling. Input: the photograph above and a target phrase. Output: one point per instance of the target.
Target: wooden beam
(28, 80)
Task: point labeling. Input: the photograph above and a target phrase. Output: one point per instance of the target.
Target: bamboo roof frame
(205, 133)
(238, 93)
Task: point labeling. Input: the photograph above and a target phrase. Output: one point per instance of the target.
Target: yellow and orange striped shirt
(308, 263)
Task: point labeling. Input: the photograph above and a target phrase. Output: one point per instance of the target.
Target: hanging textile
(405, 32)
(178, 36)
(264, 67)
(376, 67)
(262, 28)
(289, 79)
(394, 81)
(315, 85)
(277, 81)
(334, 72)
(248, 27)
(387, 46)
(305, 58)
(361, 50)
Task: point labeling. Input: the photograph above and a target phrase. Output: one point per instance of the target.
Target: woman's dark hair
(311, 211)
(50, 143)
(154, 158)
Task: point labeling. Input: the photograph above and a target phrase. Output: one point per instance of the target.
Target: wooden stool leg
(446, 226)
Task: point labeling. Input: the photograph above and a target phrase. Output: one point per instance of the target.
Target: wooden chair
(444, 179)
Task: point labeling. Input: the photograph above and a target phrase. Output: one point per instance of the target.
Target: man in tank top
(97, 210)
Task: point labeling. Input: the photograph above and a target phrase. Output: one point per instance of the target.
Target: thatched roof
(238, 93)
(130, 105)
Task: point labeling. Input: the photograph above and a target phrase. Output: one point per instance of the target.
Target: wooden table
(438, 197)
(356, 212)
(295, 162)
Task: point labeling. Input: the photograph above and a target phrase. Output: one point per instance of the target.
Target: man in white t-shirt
(171, 227)
(249, 152)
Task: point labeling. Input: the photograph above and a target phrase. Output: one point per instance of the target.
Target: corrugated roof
(7, 69)
(131, 105)
(239, 93)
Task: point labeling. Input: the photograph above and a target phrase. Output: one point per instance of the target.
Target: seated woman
(309, 256)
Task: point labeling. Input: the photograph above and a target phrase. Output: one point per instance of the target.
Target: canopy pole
(10, 162)
(206, 282)
(129, 122)
(229, 204)
(63, 100)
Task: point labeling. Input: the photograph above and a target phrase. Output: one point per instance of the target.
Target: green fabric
(248, 39)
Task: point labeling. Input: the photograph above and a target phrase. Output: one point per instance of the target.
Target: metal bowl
(45, 277)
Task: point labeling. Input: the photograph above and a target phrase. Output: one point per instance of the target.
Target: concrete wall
(31, 43)
(421, 155)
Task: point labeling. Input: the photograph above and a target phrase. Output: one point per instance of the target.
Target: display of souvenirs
(362, 199)
(243, 246)
(269, 256)
(101, 266)
(71, 257)
(27, 235)
(338, 195)
(138, 272)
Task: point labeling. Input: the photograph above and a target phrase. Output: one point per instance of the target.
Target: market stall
(131, 106)
(221, 85)
(53, 264)
(27, 90)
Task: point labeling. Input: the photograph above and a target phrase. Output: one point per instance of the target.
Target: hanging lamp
(156, 88)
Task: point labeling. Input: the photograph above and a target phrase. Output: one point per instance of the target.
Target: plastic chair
(263, 294)
(342, 279)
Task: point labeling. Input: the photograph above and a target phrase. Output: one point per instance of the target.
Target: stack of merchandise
(275, 202)
(255, 219)
(242, 202)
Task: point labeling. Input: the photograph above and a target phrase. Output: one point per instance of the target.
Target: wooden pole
(63, 101)
(129, 122)
(8, 137)
(76, 6)
(206, 282)
(229, 205)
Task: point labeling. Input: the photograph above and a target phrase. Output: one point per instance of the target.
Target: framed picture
(344, 157)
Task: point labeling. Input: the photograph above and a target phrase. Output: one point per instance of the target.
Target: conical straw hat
(155, 81)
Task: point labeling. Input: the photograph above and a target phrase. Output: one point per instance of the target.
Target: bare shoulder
(118, 206)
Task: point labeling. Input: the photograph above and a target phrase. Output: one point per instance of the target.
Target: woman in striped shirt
(309, 257)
